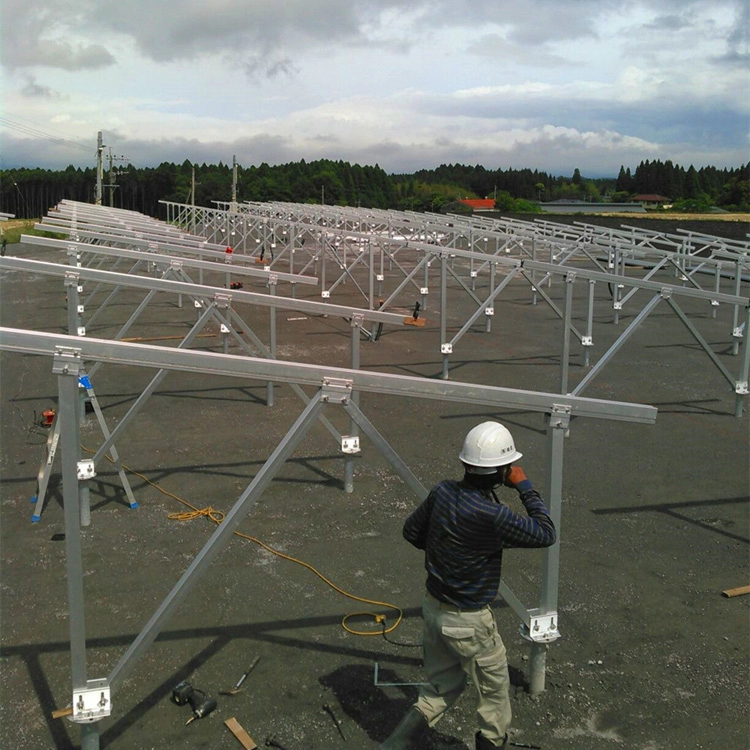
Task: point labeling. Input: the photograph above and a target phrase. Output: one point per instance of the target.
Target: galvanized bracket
(85, 469)
(560, 416)
(67, 361)
(222, 300)
(542, 628)
(336, 390)
(350, 444)
(357, 321)
(71, 278)
(92, 703)
(741, 388)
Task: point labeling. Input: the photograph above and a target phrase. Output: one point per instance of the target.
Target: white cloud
(406, 83)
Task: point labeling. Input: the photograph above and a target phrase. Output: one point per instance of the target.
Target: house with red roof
(480, 204)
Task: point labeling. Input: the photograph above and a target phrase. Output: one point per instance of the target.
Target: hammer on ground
(236, 689)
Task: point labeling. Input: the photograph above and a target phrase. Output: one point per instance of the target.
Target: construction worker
(463, 529)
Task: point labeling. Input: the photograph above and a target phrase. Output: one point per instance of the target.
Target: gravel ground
(655, 527)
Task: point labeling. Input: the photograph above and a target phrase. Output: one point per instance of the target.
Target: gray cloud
(39, 36)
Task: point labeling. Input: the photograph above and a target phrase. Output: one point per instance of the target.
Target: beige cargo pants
(460, 644)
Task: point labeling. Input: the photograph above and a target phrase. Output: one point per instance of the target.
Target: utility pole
(234, 184)
(193, 183)
(113, 175)
(99, 169)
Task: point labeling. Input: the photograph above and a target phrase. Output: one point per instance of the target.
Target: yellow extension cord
(217, 517)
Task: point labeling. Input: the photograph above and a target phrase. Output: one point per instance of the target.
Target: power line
(36, 132)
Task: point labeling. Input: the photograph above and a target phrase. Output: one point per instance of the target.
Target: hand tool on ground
(236, 689)
(202, 707)
(273, 742)
(523, 744)
(329, 711)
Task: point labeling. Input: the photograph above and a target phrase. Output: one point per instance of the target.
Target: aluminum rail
(228, 265)
(198, 290)
(144, 355)
(654, 286)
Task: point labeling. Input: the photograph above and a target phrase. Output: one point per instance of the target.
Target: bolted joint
(741, 388)
(85, 469)
(92, 703)
(559, 417)
(542, 628)
(71, 279)
(67, 361)
(222, 300)
(336, 390)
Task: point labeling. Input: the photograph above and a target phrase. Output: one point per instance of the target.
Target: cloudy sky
(553, 85)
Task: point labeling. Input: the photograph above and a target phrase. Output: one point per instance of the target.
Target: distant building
(650, 200)
(479, 204)
(584, 207)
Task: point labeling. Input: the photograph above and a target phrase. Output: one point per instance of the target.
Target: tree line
(30, 193)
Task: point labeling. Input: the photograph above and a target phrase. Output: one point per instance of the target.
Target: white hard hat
(488, 445)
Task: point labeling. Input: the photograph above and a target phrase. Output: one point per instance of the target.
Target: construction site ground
(655, 527)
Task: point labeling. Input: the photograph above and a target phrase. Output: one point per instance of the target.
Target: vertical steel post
(356, 325)
(717, 288)
(557, 426)
(589, 340)
(67, 367)
(445, 346)
(741, 389)
(272, 283)
(488, 318)
(567, 314)
(736, 315)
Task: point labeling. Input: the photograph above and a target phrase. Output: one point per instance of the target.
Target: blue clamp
(85, 382)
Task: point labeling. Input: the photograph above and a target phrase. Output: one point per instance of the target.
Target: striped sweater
(464, 531)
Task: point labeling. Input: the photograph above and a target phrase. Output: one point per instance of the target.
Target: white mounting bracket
(587, 340)
(541, 628)
(737, 332)
(489, 311)
(224, 328)
(424, 290)
(325, 295)
(617, 306)
(80, 309)
(350, 444)
(741, 388)
(380, 277)
(81, 330)
(446, 348)
(473, 274)
(92, 703)
(197, 304)
(86, 469)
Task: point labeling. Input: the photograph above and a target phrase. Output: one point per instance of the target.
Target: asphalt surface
(655, 527)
